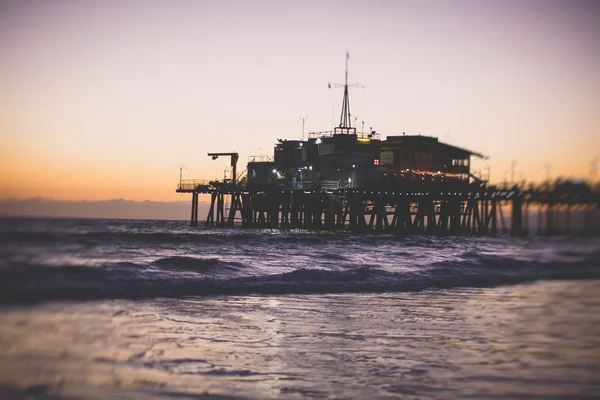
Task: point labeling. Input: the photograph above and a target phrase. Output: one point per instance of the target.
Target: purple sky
(107, 99)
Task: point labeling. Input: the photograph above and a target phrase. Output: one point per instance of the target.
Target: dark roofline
(482, 156)
(434, 139)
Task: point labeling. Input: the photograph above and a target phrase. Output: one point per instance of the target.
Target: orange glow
(103, 101)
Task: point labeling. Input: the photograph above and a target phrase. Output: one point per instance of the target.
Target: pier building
(347, 179)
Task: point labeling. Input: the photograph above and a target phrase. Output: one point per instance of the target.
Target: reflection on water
(539, 340)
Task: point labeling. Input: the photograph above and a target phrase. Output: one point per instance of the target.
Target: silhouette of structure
(349, 180)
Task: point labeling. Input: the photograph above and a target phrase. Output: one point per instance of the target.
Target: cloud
(114, 208)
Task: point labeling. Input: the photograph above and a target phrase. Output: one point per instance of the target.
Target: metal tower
(345, 120)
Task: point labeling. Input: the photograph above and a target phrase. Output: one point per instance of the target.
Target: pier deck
(425, 209)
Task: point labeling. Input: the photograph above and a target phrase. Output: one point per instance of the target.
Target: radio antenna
(303, 119)
(345, 120)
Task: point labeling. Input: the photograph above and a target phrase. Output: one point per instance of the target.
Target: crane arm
(234, 160)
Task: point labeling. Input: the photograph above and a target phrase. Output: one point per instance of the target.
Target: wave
(199, 265)
(214, 277)
(151, 235)
(223, 236)
(98, 238)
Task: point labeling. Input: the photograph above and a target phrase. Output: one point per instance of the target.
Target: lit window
(466, 162)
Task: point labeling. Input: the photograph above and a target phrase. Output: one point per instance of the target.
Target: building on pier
(423, 158)
(347, 158)
(346, 179)
(332, 160)
(328, 160)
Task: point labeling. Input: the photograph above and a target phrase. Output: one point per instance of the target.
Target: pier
(346, 179)
(417, 209)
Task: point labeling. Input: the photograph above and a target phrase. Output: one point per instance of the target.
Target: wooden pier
(346, 179)
(415, 209)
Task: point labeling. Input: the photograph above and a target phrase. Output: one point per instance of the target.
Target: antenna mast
(303, 119)
(345, 120)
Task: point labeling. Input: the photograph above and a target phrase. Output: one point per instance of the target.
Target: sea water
(135, 309)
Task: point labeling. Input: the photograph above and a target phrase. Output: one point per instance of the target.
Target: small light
(274, 171)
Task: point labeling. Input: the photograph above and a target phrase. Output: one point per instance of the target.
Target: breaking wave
(214, 277)
(199, 265)
(43, 260)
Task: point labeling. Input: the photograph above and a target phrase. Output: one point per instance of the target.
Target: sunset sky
(107, 99)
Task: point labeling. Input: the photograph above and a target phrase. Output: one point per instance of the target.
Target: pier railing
(328, 134)
(191, 184)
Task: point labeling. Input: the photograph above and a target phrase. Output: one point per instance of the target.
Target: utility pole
(303, 119)
(547, 169)
(513, 166)
(488, 172)
(594, 169)
(180, 171)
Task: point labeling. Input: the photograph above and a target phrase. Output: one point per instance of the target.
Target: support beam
(194, 216)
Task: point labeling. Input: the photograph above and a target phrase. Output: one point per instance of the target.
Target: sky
(108, 99)
(111, 209)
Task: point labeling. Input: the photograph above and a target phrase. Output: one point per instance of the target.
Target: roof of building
(427, 141)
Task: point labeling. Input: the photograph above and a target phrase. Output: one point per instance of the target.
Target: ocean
(155, 309)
